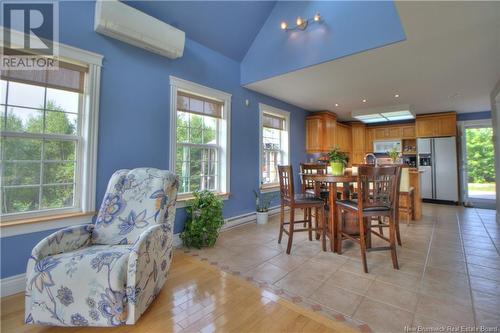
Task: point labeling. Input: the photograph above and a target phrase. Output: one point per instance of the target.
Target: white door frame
(495, 118)
(462, 126)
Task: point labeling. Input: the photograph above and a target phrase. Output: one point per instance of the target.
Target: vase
(337, 168)
(262, 217)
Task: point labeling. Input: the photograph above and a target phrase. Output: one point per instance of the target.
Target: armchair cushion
(134, 200)
(86, 287)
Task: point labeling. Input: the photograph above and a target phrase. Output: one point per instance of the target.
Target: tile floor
(449, 272)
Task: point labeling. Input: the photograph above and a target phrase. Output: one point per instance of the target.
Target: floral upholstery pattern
(73, 279)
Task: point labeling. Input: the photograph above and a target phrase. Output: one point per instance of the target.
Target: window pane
(21, 173)
(54, 173)
(21, 94)
(196, 135)
(195, 184)
(210, 123)
(60, 122)
(62, 100)
(59, 150)
(3, 91)
(24, 120)
(209, 136)
(182, 134)
(196, 121)
(20, 199)
(57, 196)
(196, 105)
(21, 149)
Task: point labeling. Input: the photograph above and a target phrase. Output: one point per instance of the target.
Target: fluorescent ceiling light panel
(384, 114)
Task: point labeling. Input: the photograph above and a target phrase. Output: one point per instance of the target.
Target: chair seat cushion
(86, 287)
(307, 198)
(353, 204)
(323, 193)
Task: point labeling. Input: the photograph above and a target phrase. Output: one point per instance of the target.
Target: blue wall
(134, 117)
(348, 27)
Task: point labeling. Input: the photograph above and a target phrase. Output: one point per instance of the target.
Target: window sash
(43, 137)
(267, 165)
(272, 121)
(201, 176)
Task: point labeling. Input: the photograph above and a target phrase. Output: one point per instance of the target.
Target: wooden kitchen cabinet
(343, 137)
(436, 125)
(358, 139)
(321, 132)
(408, 131)
(370, 137)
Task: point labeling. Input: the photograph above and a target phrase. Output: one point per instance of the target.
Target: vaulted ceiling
(228, 27)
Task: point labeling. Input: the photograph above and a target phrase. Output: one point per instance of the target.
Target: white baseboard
(12, 285)
(16, 283)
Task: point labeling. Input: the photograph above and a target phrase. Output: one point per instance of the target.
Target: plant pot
(262, 217)
(337, 168)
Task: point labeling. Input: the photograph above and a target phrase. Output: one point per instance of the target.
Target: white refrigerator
(437, 161)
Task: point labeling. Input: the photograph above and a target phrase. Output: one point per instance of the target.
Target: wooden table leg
(331, 220)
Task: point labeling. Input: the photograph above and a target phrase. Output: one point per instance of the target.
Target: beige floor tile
(400, 279)
(457, 292)
(488, 319)
(350, 281)
(488, 286)
(298, 283)
(339, 299)
(453, 279)
(267, 272)
(412, 268)
(444, 310)
(482, 271)
(382, 317)
(486, 302)
(317, 270)
(424, 324)
(393, 295)
(287, 261)
(491, 262)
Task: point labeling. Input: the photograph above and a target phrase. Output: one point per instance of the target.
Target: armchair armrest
(148, 264)
(64, 240)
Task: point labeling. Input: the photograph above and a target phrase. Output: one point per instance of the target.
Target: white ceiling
(449, 61)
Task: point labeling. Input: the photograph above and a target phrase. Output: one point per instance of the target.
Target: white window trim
(224, 130)
(264, 108)
(89, 131)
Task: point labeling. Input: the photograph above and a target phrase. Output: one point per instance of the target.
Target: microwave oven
(385, 146)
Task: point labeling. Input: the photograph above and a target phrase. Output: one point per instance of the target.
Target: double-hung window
(201, 137)
(48, 133)
(274, 142)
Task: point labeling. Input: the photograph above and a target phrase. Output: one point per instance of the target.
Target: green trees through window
(480, 162)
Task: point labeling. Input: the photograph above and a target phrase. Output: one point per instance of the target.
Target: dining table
(331, 182)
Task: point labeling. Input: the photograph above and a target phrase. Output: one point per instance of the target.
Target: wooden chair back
(310, 169)
(286, 183)
(378, 186)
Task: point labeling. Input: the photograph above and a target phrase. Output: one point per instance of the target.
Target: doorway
(479, 164)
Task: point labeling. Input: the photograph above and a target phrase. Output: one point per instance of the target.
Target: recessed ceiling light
(364, 100)
(397, 95)
(336, 104)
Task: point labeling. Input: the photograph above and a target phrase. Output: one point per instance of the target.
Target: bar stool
(302, 201)
(378, 196)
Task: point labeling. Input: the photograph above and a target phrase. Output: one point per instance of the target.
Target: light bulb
(299, 21)
(364, 100)
(336, 104)
(284, 25)
(317, 17)
(397, 95)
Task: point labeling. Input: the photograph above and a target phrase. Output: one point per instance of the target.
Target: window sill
(269, 188)
(182, 200)
(35, 224)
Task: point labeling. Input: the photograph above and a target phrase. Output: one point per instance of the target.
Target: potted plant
(338, 161)
(394, 155)
(204, 220)
(262, 203)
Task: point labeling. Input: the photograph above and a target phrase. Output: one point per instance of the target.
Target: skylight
(384, 114)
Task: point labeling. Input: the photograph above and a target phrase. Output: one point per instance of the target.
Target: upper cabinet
(343, 138)
(358, 138)
(321, 132)
(436, 125)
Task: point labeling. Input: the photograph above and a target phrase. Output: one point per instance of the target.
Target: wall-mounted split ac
(117, 20)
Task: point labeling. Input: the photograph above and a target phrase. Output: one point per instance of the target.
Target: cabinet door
(313, 134)
(357, 157)
(370, 137)
(394, 133)
(447, 126)
(358, 138)
(329, 139)
(408, 132)
(425, 127)
(381, 133)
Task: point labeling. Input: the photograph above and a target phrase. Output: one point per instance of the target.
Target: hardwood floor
(198, 298)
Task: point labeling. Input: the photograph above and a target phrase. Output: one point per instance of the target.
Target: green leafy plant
(204, 220)
(263, 201)
(393, 154)
(337, 156)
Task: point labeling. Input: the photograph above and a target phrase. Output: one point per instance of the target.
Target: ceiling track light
(300, 23)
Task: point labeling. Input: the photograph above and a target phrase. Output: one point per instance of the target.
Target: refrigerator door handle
(433, 162)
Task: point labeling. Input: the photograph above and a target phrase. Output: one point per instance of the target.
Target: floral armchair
(107, 273)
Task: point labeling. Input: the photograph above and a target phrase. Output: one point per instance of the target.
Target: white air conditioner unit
(117, 20)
